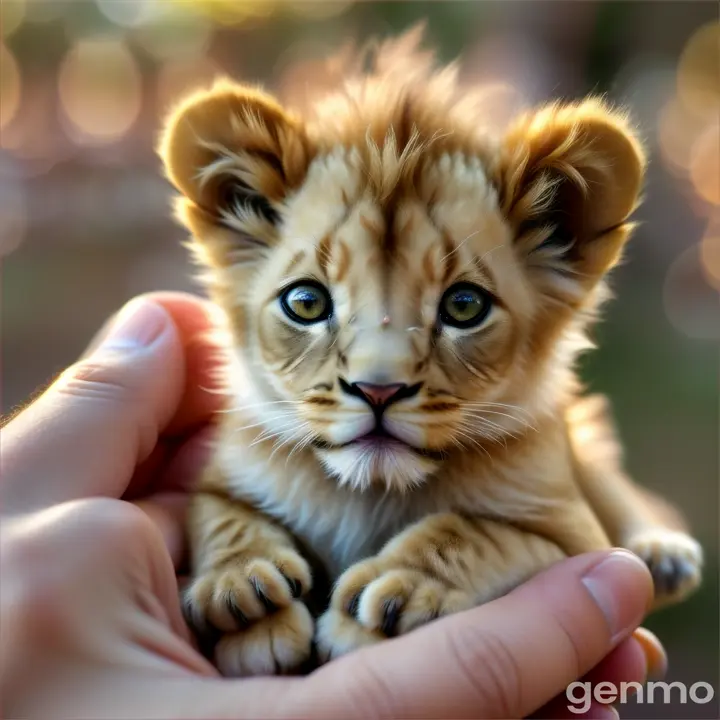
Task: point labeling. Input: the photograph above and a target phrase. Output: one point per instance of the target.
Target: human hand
(94, 478)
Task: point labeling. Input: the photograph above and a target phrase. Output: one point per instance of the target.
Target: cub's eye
(306, 303)
(464, 305)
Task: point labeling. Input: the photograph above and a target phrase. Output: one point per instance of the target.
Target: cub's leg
(247, 581)
(441, 565)
(633, 517)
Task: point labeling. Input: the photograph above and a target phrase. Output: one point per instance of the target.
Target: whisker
(272, 432)
(240, 408)
(525, 423)
(496, 404)
(265, 422)
(458, 246)
(308, 350)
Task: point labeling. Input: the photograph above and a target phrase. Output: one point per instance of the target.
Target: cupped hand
(95, 476)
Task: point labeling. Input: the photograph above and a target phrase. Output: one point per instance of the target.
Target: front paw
(252, 603)
(675, 562)
(275, 645)
(374, 600)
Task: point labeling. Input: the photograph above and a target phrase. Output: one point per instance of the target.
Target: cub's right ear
(234, 153)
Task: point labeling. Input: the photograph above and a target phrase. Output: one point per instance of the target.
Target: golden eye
(464, 305)
(306, 303)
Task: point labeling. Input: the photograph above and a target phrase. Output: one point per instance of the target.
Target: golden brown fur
(388, 193)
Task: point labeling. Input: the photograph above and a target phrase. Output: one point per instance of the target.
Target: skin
(95, 478)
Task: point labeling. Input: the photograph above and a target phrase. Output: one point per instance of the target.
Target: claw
(391, 614)
(353, 605)
(293, 584)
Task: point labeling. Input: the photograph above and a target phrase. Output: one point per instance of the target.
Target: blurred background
(85, 221)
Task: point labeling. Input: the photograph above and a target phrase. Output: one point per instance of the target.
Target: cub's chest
(338, 525)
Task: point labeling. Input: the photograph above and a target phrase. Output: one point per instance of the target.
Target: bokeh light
(677, 131)
(318, 9)
(232, 12)
(710, 254)
(10, 87)
(12, 14)
(689, 123)
(698, 75)
(13, 211)
(692, 304)
(128, 13)
(100, 90)
(178, 31)
(705, 164)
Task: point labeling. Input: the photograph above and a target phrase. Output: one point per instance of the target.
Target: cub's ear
(234, 153)
(570, 177)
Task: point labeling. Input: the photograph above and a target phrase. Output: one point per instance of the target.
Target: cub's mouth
(377, 440)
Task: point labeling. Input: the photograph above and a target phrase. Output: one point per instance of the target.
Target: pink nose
(379, 394)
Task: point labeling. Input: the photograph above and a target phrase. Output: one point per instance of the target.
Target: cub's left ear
(570, 177)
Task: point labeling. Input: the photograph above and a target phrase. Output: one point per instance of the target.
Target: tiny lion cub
(405, 297)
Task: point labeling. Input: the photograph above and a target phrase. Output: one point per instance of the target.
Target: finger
(101, 418)
(637, 659)
(167, 502)
(196, 323)
(168, 511)
(174, 465)
(503, 660)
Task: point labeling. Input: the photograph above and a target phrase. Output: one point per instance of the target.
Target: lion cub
(405, 298)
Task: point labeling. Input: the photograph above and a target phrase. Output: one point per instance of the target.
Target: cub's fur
(422, 462)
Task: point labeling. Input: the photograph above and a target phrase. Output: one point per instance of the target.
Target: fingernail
(610, 584)
(137, 325)
(605, 712)
(657, 664)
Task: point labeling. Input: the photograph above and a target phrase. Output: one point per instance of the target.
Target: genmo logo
(582, 694)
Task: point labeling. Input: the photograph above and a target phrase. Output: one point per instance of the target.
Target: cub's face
(394, 328)
(393, 305)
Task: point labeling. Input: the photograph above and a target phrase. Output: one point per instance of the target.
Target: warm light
(319, 9)
(677, 131)
(182, 76)
(100, 89)
(698, 75)
(710, 256)
(705, 164)
(13, 211)
(692, 304)
(12, 14)
(10, 87)
(232, 12)
(179, 32)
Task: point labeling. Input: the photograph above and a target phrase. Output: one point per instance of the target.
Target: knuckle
(95, 527)
(105, 378)
(110, 520)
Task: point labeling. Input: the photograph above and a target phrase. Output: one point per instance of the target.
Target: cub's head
(401, 287)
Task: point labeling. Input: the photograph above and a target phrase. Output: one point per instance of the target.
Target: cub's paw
(675, 562)
(232, 597)
(274, 645)
(373, 601)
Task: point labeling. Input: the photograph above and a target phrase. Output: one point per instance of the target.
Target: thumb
(503, 660)
(85, 435)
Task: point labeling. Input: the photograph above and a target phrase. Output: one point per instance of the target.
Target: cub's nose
(378, 396)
